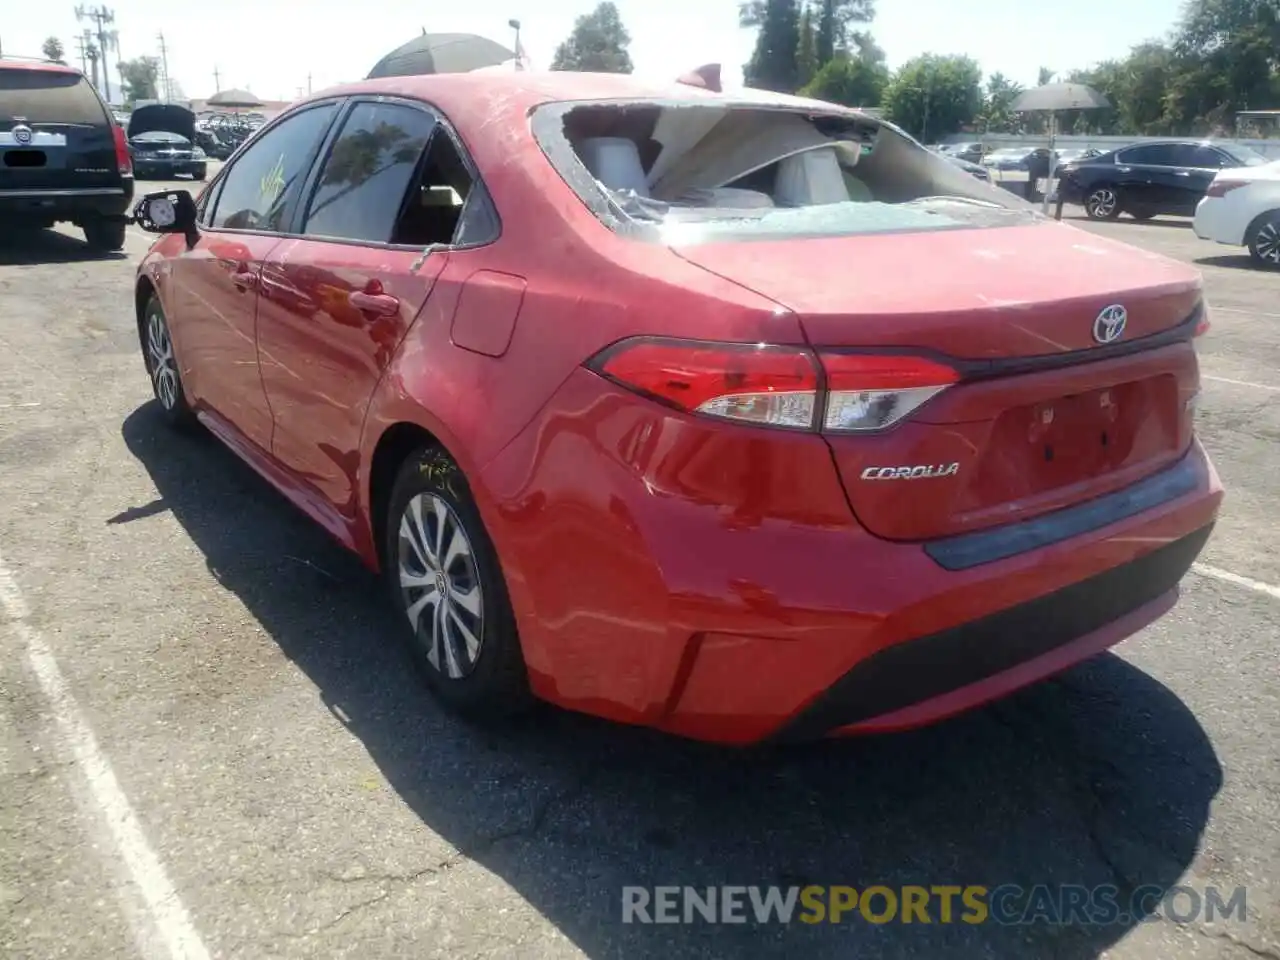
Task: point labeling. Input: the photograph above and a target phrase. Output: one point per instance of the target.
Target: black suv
(63, 157)
(1148, 179)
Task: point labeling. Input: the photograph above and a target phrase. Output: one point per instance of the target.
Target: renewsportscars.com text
(1006, 905)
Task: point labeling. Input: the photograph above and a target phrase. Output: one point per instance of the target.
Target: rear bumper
(1214, 222)
(675, 573)
(167, 169)
(931, 677)
(73, 204)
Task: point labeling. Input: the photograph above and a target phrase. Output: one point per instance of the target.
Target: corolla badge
(921, 472)
(21, 134)
(1109, 327)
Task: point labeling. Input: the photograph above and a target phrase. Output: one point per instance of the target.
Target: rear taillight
(775, 386)
(123, 161)
(870, 391)
(1202, 323)
(1220, 188)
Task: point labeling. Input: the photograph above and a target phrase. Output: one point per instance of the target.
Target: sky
(275, 48)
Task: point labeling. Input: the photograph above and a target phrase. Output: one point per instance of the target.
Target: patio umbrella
(442, 53)
(234, 98)
(1052, 97)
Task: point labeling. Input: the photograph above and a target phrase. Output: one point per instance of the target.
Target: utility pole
(82, 47)
(308, 84)
(101, 17)
(164, 65)
(217, 80)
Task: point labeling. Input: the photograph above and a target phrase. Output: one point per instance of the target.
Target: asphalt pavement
(209, 747)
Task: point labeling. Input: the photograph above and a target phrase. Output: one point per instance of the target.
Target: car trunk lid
(1043, 415)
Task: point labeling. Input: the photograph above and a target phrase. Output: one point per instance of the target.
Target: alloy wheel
(1102, 203)
(164, 372)
(1266, 243)
(440, 585)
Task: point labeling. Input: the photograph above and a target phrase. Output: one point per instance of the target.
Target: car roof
(456, 93)
(45, 65)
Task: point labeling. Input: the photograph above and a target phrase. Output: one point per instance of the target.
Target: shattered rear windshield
(699, 171)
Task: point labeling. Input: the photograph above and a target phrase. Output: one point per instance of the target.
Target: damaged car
(162, 142)
(733, 414)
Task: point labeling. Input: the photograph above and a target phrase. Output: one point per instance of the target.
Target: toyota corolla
(737, 415)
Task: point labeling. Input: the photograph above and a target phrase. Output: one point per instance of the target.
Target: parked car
(1018, 158)
(637, 411)
(162, 139)
(1145, 180)
(972, 152)
(1242, 208)
(975, 170)
(63, 159)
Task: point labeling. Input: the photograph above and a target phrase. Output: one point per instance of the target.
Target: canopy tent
(442, 53)
(1051, 98)
(234, 98)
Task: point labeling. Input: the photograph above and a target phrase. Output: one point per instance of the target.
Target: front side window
(691, 172)
(365, 178)
(258, 189)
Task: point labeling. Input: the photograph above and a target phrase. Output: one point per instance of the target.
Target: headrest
(811, 177)
(615, 162)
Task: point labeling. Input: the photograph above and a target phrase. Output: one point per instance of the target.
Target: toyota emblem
(1109, 327)
(22, 134)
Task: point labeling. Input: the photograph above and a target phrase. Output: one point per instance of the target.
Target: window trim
(297, 222)
(243, 151)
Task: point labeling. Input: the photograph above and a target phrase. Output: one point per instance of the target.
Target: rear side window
(1155, 154)
(260, 186)
(48, 96)
(363, 185)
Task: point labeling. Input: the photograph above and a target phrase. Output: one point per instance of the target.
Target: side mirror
(173, 211)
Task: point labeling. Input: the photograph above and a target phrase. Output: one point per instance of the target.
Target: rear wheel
(1142, 214)
(162, 367)
(444, 577)
(1264, 240)
(1102, 203)
(105, 234)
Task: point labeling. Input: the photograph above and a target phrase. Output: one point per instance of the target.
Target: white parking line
(165, 913)
(1226, 576)
(1241, 383)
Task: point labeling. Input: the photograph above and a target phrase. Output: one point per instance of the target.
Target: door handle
(1125, 169)
(379, 304)
(244, 279)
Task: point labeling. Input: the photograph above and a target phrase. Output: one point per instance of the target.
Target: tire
(105, 234)
(199, 174)
(1264, 240)
(162, 367)
(484, 682)
(1102, 202)
(1142, 214)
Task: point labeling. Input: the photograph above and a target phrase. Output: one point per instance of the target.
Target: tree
(598, 43)
(807, 49)
(997, 110)
(835, 19)
(773, 64)
(932, 95)
(140, 77)
(852, 81)
(53, 50)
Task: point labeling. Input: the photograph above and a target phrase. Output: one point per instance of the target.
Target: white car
(1242, 208)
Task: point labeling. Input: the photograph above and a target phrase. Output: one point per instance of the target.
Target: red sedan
(737, 415)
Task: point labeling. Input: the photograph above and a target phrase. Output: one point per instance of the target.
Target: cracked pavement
(307, 798)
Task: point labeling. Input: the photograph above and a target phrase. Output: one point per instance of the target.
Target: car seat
(810, 178)
(615, 162)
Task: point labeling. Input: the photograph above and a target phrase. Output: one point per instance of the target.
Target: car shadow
(1170, 222)
(1100, 777)
(1233, 262)
(29, 248)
